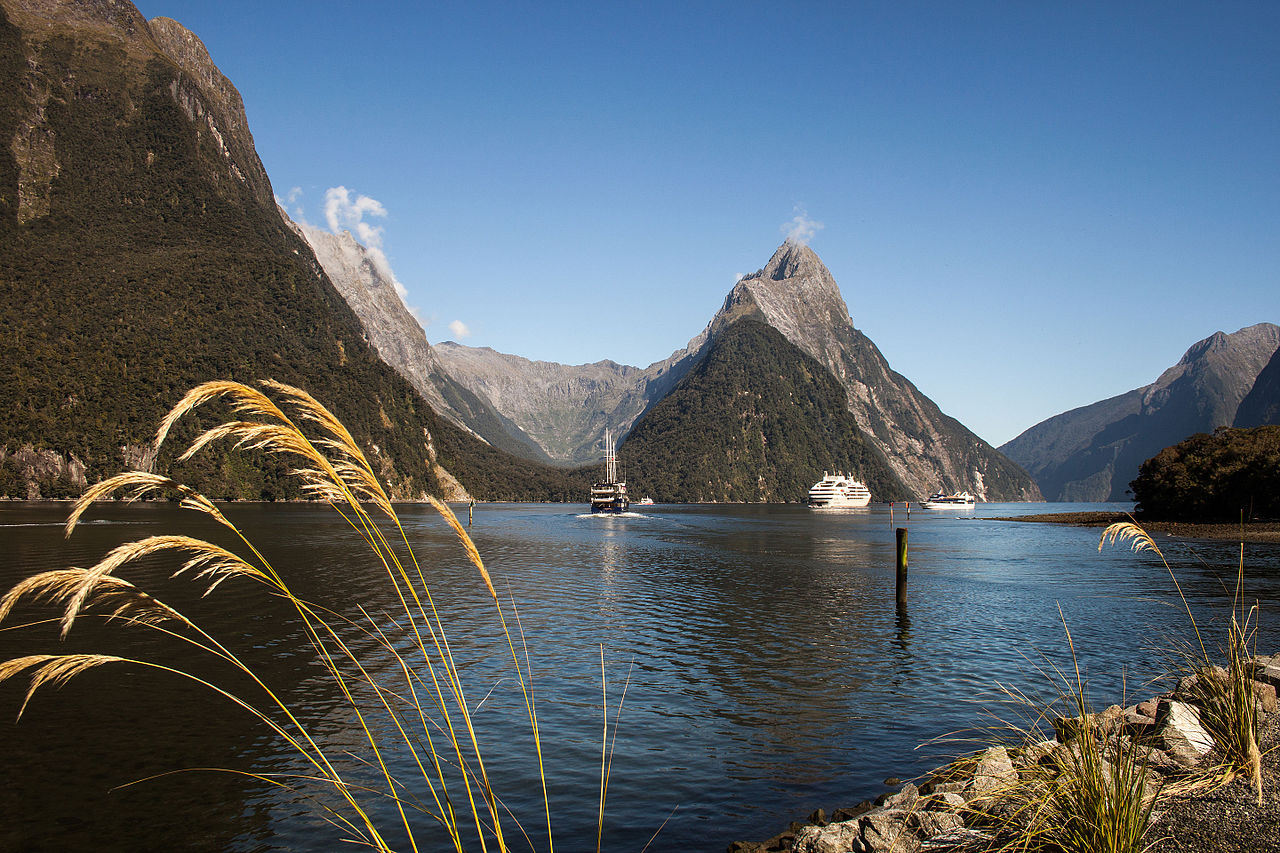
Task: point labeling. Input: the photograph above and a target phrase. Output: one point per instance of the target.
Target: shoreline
(1254, 532)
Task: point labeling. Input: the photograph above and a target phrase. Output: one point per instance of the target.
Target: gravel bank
(1254, 531)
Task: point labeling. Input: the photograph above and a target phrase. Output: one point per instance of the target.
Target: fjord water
(767, 669)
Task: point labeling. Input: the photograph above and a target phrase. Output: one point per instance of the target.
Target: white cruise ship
(836, 491)
(942, 500)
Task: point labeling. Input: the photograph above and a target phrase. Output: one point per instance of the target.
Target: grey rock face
(1093, 453)
(796, 294)
(564, 408)
(399, 340)
(567, 408)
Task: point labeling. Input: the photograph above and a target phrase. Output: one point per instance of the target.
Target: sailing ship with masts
(609, 495)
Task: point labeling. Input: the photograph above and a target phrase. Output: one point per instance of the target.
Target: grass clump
(1224, 695)
(421, 709)
(1077, 783)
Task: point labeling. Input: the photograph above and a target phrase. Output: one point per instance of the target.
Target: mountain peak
(791, 260)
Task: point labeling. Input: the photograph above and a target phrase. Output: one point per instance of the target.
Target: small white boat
(836, 491)
(942, 500)
(645, 502)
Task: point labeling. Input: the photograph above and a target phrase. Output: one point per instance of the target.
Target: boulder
(1103, 723)
(839, 837)
(885, 831)
(1266, 668)
(993, 776)
(1180, 734)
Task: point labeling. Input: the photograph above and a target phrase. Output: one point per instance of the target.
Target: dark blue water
(767, 668)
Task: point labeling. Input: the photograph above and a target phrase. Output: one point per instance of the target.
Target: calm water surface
(768, 671)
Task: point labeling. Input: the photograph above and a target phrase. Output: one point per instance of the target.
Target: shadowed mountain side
(1094, 452)
(757, 420)
(144, 254)
(1261, 406)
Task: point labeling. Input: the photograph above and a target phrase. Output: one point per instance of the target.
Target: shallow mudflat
(1255, 531)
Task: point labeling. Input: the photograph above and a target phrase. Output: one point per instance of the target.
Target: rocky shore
(1253, 531)
(966, 805)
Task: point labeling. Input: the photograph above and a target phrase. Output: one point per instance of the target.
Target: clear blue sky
(1028, 206)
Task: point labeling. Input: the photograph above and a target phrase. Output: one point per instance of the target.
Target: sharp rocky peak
(793, 260)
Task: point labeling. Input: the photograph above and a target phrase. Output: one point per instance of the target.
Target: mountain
(566, 409)
(796, 294)
(1092, 453)
(144, 253)
(369, 288)
(756, 420)
(1261, 406)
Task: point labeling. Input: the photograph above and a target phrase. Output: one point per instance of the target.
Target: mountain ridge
(1091, 453)
(795, 294)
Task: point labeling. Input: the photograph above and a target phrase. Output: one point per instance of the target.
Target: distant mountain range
(566, 409)
(1092, 453)
(145, 253)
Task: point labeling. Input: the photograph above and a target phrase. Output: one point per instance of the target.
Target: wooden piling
(902, 565)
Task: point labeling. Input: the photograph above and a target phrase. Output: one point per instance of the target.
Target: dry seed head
(51, 669)
(245, 399)
(130, 551)
(467, 544)
(1126, 532)
(142, 483)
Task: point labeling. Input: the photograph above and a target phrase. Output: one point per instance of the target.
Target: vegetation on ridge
(157, 268)
(1231, 475)
(774, 416)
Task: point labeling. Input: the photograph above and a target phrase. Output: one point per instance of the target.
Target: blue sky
(1028, 206)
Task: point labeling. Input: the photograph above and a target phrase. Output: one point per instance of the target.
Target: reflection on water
(768, 668)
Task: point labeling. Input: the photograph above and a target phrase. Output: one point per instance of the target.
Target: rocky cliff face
(400, 341)
(1261, 406)
(566, 409)
(1092, 453)
(796, 294)
(117, 28)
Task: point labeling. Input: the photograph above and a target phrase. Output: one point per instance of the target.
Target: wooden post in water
(902, 565)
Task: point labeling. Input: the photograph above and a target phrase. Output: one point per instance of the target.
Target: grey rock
(993, 776)
(1180, 734)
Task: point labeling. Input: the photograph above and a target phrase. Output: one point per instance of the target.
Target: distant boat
(942, 500)
(836, 491)
(645, 502)
(610, 494)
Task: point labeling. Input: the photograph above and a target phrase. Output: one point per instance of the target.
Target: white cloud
(801, 228)
(345, 214)
(459, 330)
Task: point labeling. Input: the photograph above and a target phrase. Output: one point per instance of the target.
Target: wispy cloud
(343, 212)
(801, 228)
(459, 330)
(347, 211)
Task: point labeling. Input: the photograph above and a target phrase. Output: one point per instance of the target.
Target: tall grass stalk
(431, 717)
(1090, 795)
(1224, 695)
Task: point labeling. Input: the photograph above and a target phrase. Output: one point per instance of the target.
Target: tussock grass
(424, 712)
(1223, 694)
(1091, 794)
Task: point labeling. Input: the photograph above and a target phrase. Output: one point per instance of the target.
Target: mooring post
(902, 565)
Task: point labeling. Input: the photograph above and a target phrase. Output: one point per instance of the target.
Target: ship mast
(610, 461)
